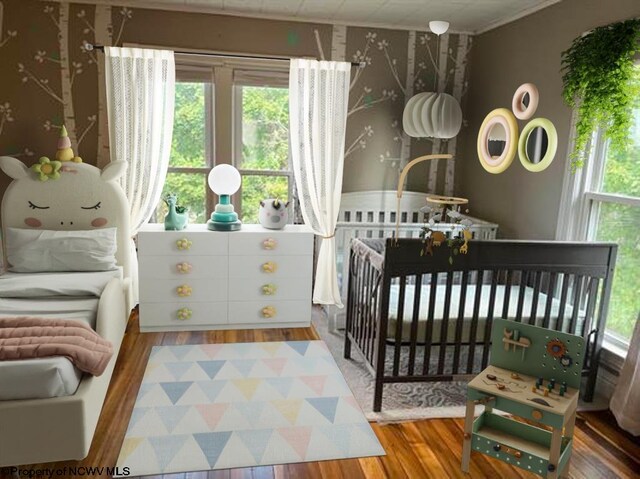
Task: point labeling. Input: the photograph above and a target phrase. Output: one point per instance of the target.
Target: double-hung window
(602, 203)
(234, 112)
(261, 138)
(192, 146)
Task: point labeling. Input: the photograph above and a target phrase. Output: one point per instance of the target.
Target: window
(606, 207)
(191, 150)
(614, 215)
(262, 140)
(244, 120)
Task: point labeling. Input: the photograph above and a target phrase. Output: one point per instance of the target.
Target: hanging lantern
(432, 115)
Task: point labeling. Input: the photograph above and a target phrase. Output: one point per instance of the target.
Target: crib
(423, 318)
(372, 214)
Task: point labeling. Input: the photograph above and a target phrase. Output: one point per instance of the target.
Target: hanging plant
(601, 81)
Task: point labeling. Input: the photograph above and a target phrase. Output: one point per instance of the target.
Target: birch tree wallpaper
(50, 78)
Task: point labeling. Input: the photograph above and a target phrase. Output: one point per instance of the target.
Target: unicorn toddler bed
(66, 241)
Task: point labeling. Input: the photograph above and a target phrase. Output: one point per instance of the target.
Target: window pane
(622, 170)
(258, 188)
(191, 191)
(619, 223)
(265, 128)
(189, 125)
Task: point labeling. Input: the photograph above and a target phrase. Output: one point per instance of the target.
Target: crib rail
(423, 319)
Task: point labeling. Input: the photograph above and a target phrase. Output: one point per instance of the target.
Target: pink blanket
(28, 338)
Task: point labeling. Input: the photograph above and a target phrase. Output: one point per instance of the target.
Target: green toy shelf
(504, 439)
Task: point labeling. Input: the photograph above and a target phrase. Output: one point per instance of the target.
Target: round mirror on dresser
(497, 140)
(538, 144)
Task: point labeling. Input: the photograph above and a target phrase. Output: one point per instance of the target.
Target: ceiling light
(438, 26)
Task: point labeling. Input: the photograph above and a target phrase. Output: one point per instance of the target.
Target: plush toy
(273, 214)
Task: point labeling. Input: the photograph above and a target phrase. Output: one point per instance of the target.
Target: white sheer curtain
(625, 402)
(318, 104)
(140, 105)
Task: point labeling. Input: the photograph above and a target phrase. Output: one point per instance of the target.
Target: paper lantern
(433, 115)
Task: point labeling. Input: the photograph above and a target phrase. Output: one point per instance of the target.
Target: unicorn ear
(13, 167)
(113, 170)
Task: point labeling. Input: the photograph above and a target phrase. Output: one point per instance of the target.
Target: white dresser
(198, 279)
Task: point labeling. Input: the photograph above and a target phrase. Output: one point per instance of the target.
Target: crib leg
(377, 396)
(591, 378)
(347, 345)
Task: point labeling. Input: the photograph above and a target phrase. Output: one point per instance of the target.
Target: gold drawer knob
(270, 244)
(269, 289)
(269, 267)
(268, 312)
(184, 267)
(184, 244)
(184, 314)
(184, 290)
(536, 414)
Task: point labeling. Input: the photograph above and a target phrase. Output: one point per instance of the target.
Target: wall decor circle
(525, 101)
(538, 144)
(498, 140)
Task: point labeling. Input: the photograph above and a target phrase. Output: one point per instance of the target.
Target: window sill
(613, 356)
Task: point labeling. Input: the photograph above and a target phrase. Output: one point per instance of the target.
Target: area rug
(405, 401)
(400, 401)
(219, 406)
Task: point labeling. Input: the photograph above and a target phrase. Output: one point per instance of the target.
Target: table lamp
(224, 180)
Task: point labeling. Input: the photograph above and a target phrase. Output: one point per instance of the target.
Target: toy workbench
(534, 373)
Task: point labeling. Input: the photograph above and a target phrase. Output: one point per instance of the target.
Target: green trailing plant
(602, 83)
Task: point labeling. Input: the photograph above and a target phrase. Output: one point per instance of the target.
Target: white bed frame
(372, 214)
(62, 428)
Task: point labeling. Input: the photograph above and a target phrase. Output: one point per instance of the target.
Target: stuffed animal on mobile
(273, 214)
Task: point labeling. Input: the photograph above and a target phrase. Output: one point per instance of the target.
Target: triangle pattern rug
(220, 406)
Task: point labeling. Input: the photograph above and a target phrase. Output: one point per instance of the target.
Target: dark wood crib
(428, 318)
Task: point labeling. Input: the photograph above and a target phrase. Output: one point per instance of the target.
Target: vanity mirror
(498, 140)
(538, 144)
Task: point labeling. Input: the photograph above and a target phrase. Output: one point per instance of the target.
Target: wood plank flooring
(417, 449)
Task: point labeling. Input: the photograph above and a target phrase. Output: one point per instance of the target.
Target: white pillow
(37, 251)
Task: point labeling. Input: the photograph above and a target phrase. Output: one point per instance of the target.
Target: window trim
(237, 146)
(223, 146)
(579, 208)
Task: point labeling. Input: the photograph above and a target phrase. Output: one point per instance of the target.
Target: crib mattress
(54, 376)
(454, 307)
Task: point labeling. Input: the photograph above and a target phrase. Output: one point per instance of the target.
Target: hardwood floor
(418, 449)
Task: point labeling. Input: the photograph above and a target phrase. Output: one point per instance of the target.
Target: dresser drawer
(270, 268)
(241, 312)
(182, 314)
(277, 243)
(269, 289)
(184, 268)
(192, 291)
(183, 243)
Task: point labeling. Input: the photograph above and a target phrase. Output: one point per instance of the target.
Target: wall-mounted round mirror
(497, 140)
(538, 144)
(525, 101)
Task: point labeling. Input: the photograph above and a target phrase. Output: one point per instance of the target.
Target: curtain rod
(90, 47)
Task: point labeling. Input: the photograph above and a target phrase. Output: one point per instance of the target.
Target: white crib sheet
(468, 309)
(54, 376)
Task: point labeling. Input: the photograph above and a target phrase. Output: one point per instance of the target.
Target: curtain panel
(140, 90)
(318, 105)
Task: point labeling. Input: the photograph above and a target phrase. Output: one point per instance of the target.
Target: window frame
(582, 197)
(275, 80)
(223, 142)
(190, 74)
